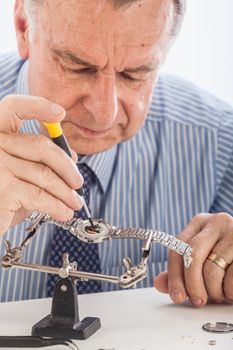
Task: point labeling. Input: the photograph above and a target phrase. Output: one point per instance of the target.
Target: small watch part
(218, 327)
(92, 230)
(212, 342)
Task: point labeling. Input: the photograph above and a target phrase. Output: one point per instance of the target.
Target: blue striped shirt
(178, 164)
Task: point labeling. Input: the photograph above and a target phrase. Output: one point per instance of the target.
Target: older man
(159, 149)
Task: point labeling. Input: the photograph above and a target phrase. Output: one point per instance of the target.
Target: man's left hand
(206, 233)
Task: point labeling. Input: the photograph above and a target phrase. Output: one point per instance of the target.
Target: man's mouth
(90, 133)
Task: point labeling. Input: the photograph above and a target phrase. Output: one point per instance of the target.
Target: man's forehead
(117, 4)
(124, 7)
(143, 20)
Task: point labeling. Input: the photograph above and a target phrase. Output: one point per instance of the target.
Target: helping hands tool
(103, 232)
(57, 136)
(64, 317)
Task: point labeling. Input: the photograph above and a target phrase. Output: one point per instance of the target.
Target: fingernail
(79, 177)
(219, 301)
(196, 301)
(177, 296)
(78, 199)
(56, 109)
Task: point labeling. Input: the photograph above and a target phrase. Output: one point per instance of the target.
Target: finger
(39, 148)
(176, 279)
(176, 285)
(202, 245)
(214, 274)
(43, 177)
(19, 216)
(31, 197)
(213, 277)
(228, 283)
(8, 216)
(161, 282)
(14, 109)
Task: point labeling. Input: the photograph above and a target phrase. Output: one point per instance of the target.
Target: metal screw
(63, 288)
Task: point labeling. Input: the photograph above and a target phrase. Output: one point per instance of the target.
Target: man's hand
(206, 233)
(35, 174)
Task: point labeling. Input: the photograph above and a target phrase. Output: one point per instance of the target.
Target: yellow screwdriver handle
(56, 134)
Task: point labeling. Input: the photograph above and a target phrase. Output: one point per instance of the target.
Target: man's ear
(21, 28)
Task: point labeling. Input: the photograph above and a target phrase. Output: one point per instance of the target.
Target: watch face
(101, 232)
(218, 327)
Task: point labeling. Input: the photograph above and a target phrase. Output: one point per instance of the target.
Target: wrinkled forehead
(140, 22)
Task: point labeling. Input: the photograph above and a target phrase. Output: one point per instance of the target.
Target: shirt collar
(101, 163)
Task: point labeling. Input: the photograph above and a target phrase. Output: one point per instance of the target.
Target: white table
(140, 319)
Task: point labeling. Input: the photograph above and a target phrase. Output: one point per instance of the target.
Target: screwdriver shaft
(57, 136)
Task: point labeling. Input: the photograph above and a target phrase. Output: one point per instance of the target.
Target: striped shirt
(179, 164)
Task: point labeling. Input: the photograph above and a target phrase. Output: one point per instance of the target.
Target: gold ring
(218, 261)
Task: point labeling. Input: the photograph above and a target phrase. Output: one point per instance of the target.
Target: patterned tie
(85, 254)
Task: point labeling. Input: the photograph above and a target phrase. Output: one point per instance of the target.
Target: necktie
(85, 254)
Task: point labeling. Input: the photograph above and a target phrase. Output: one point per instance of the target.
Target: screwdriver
(57, 136)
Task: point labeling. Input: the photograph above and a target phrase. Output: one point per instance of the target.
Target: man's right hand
(35, 174)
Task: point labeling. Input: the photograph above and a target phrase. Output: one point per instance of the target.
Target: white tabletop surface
(140, 319)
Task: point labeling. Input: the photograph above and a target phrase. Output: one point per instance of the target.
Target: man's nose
(101, 100)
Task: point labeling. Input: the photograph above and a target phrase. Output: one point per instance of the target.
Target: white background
(203, 52)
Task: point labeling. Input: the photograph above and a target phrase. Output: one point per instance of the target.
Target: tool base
(82, 330)
(64, 318)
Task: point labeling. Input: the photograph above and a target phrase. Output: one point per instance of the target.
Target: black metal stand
(64, 318)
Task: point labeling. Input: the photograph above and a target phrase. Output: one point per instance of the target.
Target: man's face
(100, 64)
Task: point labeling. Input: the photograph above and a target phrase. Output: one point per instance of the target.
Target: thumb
(161, 282)
(14, 109)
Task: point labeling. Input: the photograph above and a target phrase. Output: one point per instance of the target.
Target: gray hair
(180, 9)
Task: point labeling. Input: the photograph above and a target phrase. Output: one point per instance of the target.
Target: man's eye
(89, 71)
(129, 77)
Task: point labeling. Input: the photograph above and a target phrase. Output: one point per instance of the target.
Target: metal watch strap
(75, 226)
(163, 238)
(103, 231)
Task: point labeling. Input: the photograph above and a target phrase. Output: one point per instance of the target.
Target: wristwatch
(105, 232)
(102, 232)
